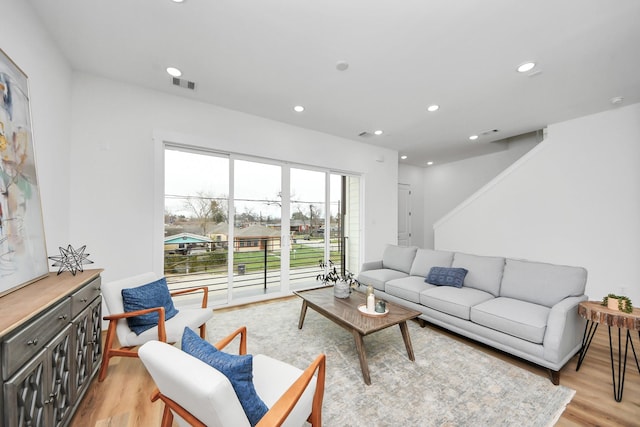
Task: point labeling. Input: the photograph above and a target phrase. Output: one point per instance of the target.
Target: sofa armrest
(565, 328)
(371, 265)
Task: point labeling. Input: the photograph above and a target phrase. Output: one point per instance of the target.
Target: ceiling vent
(365, 134)
(489, 132)
(183, 83)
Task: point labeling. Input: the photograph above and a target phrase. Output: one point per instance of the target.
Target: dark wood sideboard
(50, 348)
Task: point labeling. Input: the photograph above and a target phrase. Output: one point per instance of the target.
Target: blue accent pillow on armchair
(154, 294)
(239, 370)
(444, 276)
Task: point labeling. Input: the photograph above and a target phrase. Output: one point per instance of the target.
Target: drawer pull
(84, 300)
(33, 342)
(63, 317)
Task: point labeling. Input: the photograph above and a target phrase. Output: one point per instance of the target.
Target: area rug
(449, 384)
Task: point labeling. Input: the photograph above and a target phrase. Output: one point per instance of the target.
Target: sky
(257, 185)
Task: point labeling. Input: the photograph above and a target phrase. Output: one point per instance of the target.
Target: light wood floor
(122, 400)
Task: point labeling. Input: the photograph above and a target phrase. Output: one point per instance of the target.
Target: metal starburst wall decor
(71, 259)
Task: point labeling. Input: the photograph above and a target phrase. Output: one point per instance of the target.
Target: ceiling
(263, 57)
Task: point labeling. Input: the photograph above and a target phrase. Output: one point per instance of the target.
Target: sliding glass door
(196, 225)
(256, 228)
(307, 224)
(251, 229)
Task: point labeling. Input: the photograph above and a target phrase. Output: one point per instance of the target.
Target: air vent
(183, 83)
(489, 132)
(365, 134)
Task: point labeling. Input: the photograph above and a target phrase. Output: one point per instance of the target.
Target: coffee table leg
(364, 366)
(407, 340)
(303, 313)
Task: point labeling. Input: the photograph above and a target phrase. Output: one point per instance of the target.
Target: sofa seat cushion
(518, 318)
(378, 278)
(407, 288)
(454, 301)
(485, 272)
(399, 257)
(426, 259)
(540, 283)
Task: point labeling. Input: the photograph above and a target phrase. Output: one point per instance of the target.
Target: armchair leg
(315, 419)
(167, 417)
(106, 354)
(203, 331)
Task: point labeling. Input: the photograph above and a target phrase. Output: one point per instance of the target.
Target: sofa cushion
(485, 272)
(454, 301)
(427, 258)
(378, 278)
(444, 276)
(540, 283)
(514, 317)
(399, 257)
(407, 288)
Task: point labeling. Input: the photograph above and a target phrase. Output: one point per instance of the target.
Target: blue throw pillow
(154, 294)
(239, 370)
(444, 276)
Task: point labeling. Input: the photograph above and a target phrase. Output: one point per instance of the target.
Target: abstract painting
(23, 253)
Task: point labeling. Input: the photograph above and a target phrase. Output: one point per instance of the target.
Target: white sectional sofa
(528, 309)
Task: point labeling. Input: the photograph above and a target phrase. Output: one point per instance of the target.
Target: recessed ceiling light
(432, 108)
(429, 163)
(377, 132)
(342, 65)
(177, 1)
(527, 66)
(403, 157)
(473, 137)
(174, 72)
(298, 108)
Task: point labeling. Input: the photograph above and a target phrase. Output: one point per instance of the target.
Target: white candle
(371, 303)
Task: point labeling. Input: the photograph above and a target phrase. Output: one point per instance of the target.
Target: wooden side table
(597, 314)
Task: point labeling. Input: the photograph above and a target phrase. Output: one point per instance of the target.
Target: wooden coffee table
(345, 313)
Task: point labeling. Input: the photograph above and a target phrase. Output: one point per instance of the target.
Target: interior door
(404, 214)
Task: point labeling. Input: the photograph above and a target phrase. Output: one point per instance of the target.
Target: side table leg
(618, 385)
(635, 356)
(407, 340)
(589, 331)
(364, 366)
(303, 312)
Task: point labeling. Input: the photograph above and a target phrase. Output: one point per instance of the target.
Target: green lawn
(300, 256)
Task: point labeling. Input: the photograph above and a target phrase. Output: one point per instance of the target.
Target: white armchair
(167, 330)
(199, 395)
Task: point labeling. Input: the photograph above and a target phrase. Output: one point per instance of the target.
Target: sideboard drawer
(26, 342)
(83, 296)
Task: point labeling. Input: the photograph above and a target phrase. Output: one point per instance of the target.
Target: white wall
(574, 199)
(112, 153)
(29, 46)
(449, 184)
(414, 177)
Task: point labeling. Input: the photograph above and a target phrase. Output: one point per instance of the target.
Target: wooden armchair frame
(132, 351)
(278, 413)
